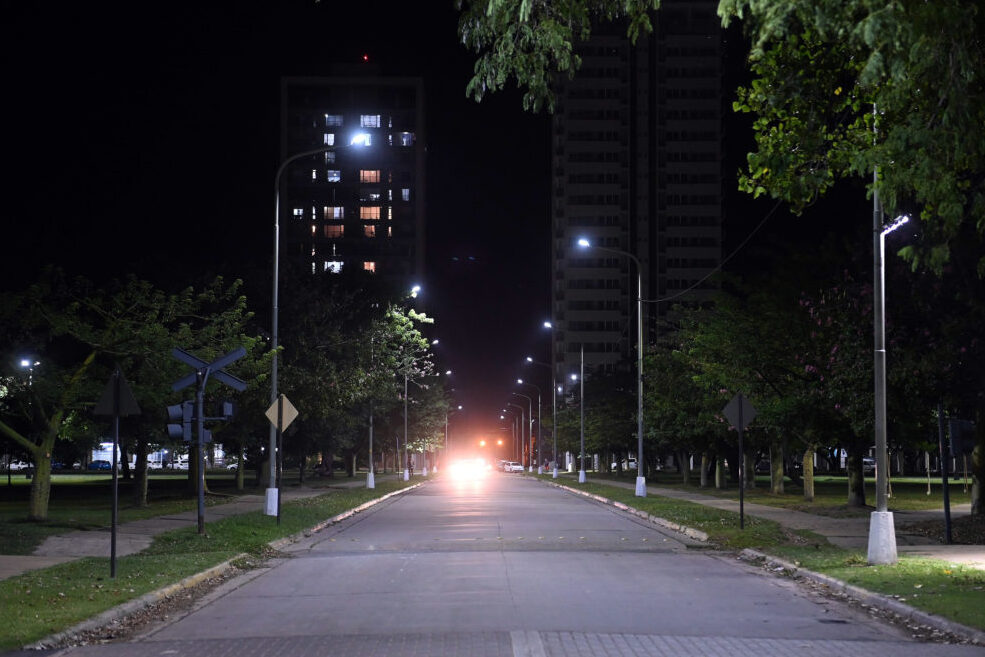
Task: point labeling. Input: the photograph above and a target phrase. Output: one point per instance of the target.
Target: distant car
(100, 465)
(57, 465)
(626, 465)
(513, 466)
(868, 464)
(232, 467)
(14, 466)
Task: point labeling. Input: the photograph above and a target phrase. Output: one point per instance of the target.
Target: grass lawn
(54, 599)
(83, 501)
(830, 493)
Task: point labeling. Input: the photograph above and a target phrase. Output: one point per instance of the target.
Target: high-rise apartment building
(360, 204)
(636, 167)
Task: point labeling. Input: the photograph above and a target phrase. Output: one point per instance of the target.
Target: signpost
(117, 399)
(281, 413)
(740, 412)
(203, 371)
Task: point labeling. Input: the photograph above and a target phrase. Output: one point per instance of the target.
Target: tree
(79, 333)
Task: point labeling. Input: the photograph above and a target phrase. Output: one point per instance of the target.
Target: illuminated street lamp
(270, 499)
(882, 533)
(641, 478)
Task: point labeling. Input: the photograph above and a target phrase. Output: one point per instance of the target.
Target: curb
(690, 532)
(147, 599)
(877, 600)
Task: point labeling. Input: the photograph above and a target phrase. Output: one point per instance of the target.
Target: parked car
(513, 466)
(626, 465)
(15, 466)
(100, 465)
(868, 464)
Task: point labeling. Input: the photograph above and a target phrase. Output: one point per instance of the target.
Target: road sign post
(117, 399)
(281, 413)
(740, 412)
(200, 376)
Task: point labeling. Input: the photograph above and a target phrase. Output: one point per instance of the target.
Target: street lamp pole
(270, 498)
(540, 431)
(406, 457)
(882, 533)
(641, 477)
(581, 405)
(518, 444)
(530, 429)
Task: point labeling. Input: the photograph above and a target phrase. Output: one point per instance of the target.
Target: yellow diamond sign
(283, 408)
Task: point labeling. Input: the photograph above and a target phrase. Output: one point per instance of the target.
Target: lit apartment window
(406, 138)
(369, 231)
(369, 120)
(369, 212)
(405, 193)
(389, 213)
(369, 175)
(334, 231)
(333, 120)
(329, 157)
(329, 138)
(334, 266)
(314, 174)
(298, 212)
(334, 212)
(389, 231)
(334, 175)
(370, 267)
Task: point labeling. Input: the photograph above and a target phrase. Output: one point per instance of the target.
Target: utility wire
(725, 260)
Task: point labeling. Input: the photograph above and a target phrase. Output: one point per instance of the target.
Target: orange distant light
(482, 443)
(499, 442)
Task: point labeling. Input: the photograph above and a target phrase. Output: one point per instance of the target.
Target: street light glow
(900, 220)
(584, 243)
(548, 325)
(360, 139)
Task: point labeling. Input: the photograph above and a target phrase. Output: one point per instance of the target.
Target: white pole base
(424, 471)
(370, 480)
(540, 469)
(530, 468)
(555, 472)
(882, 538)
(406, 474)
(581, 476)
(270, 502)
(641, 487)
(434, 470)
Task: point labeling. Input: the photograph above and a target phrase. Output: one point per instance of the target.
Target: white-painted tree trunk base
(882, 538)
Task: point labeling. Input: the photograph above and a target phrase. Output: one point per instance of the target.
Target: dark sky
(144, 138)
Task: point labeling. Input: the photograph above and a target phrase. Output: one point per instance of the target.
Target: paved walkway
(849, 533)
(132, 537)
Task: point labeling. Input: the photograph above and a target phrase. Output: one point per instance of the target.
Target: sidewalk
(132, 537)
(849, 533)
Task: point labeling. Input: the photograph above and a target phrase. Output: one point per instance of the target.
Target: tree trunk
(40, 486)
(808, 467)
(704, 469)
(124, 462)
(856, 479)
(240, 468)
(140, 474)
(776, 470)
(685, 466)
(977, 464)
(721, 476)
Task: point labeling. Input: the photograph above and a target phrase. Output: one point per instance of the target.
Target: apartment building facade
(637, 152)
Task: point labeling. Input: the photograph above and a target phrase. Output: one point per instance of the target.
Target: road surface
(502, 565)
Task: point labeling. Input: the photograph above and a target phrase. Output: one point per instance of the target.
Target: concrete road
(505, 566)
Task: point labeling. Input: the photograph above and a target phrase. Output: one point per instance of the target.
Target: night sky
(144, 138)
